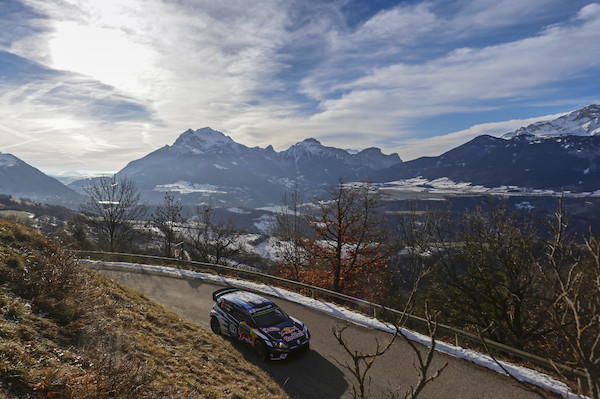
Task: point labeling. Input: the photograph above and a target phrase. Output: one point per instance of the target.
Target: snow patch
(264, 223)
(185, 187)
(524, 205)
(447, 186)
(238, 210)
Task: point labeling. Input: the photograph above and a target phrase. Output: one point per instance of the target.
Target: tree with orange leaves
(347, 245)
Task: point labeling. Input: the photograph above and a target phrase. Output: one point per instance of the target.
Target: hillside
(67, 332)
(20, 179)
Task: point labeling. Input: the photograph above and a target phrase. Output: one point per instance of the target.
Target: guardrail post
(374, 312)
(456, 340)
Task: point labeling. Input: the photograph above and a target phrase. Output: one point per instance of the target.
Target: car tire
(215, 326)
(261, 350)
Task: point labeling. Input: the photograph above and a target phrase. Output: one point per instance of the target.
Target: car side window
(238, 314)
(250, 321)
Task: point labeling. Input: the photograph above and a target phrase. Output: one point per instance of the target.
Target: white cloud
(397, 26)
(464, 79)
(135, 74)
(478, 15)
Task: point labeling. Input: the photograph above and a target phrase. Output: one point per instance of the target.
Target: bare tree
(363, 361)
(424, 362)
(111, 206)
(290, 227)
(573, 275)
(424, 239)
(166, 217)
(213, 241)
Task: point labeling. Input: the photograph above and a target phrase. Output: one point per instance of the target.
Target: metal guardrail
(413, 320)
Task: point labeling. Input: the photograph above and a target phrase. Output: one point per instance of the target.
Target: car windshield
(270, 317)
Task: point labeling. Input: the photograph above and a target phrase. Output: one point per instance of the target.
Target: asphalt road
(317, 373)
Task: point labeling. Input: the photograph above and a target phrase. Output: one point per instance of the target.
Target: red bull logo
(291, 333)
(288, 330)
(245, 337)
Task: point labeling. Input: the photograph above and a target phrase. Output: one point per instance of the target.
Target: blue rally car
(257, 321)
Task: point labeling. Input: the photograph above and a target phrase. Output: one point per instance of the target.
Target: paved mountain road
(316, 374)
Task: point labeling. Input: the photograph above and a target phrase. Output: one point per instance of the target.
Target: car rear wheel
(215, 326)
(261, 351)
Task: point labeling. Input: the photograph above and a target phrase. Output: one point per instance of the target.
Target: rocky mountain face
(583, 122)
(563, 154)
(19, 179)
(205, 165)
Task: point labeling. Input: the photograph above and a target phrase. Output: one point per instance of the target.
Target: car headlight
(280, 345)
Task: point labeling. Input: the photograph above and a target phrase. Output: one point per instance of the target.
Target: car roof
(249, 301)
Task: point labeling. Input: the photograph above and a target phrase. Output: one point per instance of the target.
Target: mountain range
(205, 165)
(563, 154)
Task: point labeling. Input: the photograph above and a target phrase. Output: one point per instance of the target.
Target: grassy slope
(67, 332)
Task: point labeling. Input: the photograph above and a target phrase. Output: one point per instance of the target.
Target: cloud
(121, 78)
(463, 80)
(179, 65)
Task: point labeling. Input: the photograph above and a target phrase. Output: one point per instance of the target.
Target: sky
(87, 86)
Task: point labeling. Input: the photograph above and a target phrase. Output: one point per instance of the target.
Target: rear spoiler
(223, 291)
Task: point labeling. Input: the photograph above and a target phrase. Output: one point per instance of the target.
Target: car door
(238, 328)
(245, 333)
(244, 328)
(229, 317)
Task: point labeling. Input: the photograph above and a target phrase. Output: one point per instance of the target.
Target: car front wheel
(215, 326)
(261, 351)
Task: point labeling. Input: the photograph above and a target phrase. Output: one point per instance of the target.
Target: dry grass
(67, 332)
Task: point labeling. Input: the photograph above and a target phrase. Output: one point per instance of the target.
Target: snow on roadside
(522, 373)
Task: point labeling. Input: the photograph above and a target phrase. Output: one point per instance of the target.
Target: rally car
(257, 321)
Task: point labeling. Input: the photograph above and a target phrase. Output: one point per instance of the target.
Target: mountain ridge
(582, 122)
(20, 179)
(206, 165)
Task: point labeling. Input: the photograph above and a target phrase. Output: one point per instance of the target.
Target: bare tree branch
(111, 206)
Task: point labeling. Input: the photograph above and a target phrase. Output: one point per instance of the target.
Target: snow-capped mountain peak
(583, 122)
(203, 140)
(308, 146)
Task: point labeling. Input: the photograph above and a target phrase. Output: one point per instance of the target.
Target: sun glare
(61, 123)
(105, 54)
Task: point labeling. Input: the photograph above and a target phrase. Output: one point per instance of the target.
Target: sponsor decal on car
(291, 333)
(245, 337)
